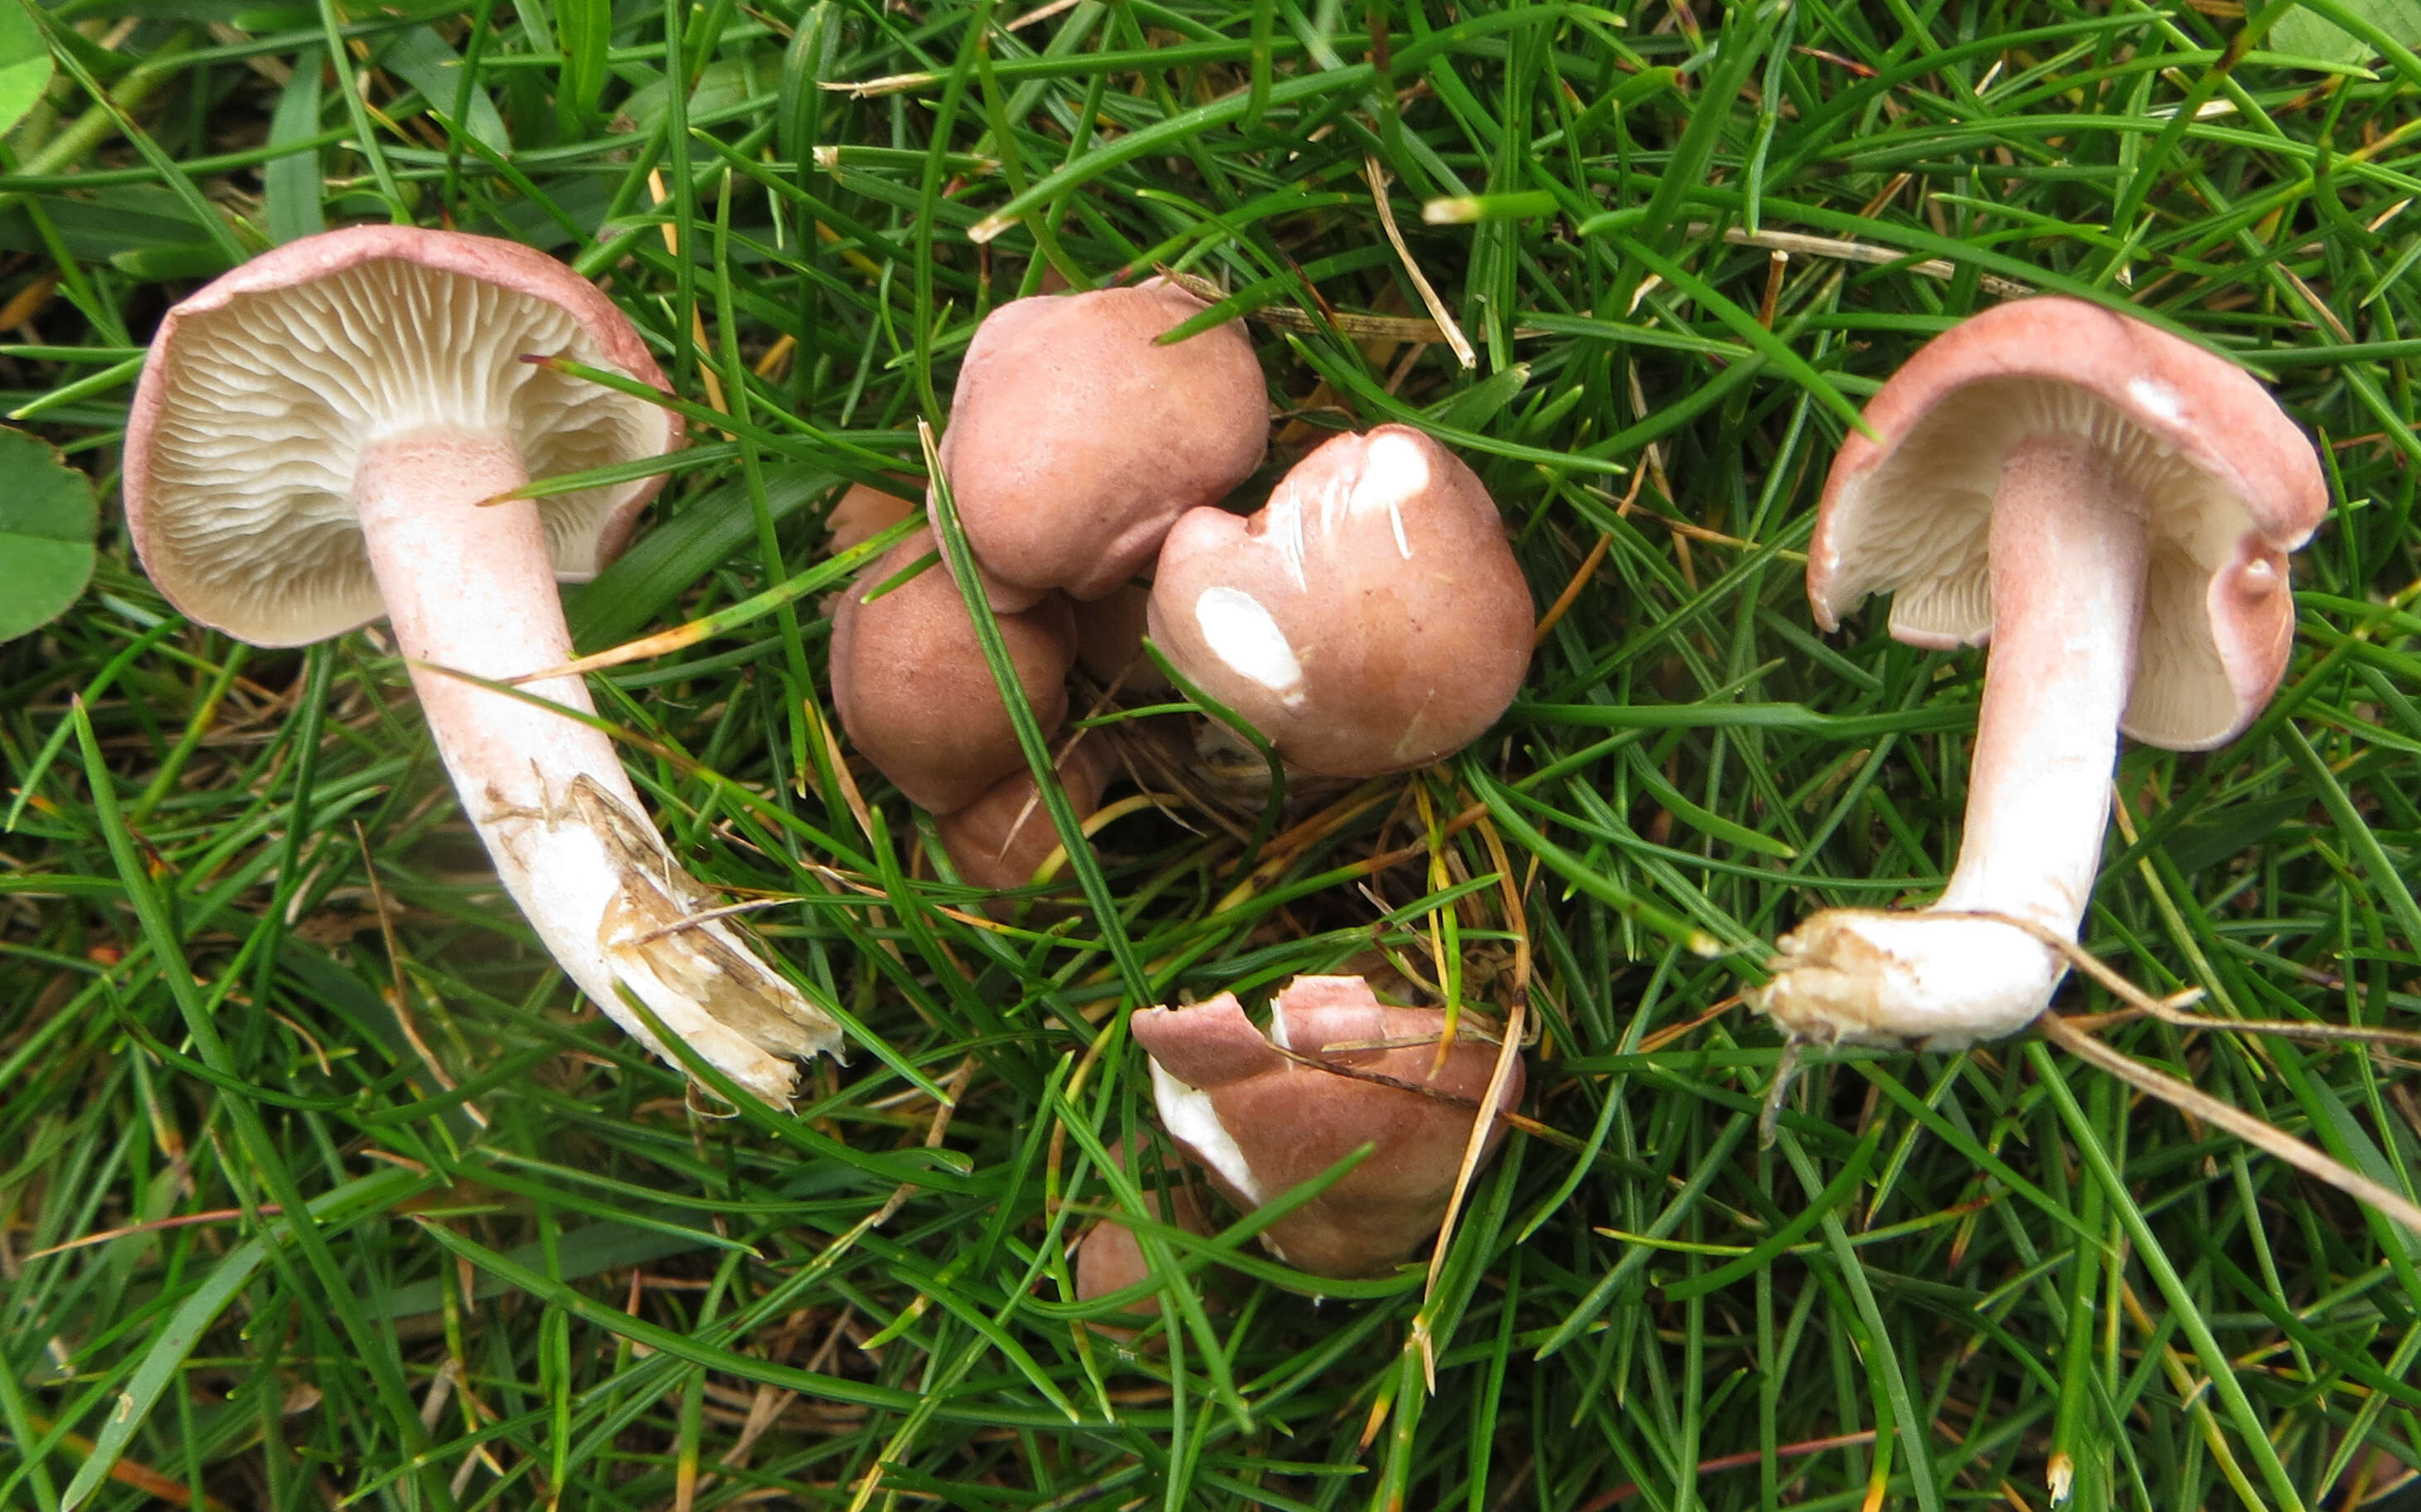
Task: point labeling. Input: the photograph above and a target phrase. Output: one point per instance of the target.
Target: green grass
(532, 1276)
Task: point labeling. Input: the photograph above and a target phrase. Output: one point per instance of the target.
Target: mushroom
(1002, 839)
(2112, 508)
(1110, 1258)
(1370, 618)
(912, 687)
(1076, 439)
(314, 443)
(863, 513)
(1262, 1121)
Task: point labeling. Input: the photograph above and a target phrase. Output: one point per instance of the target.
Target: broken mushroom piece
(314, 444)
(1075, 439)
(1262, 1121)
(1001, 839)
(2112, 508)
(912, 687)
(1369, 618)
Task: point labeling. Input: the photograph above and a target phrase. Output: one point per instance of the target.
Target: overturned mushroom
(912, 687)
(314, 444)
(1075, 439)
(2112, 507)
(1262, 1121)
(1370, 618)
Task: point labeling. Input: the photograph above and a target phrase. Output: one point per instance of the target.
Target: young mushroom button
(912, 687)
(1262, 1122)
(312, 446)
(2112, 508)
(1001, 839)
(1369, 618)
(1076, 439)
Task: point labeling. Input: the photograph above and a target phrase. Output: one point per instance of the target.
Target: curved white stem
(470, 588)
(2069, 555)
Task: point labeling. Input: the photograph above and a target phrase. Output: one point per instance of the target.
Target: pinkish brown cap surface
(263, 388)
(1075, 440)
(2230, 486)
(864, 513)
(913, 691)
(1261, 1123)
(1369, 618)
(1109, 1257)
(1001, 839)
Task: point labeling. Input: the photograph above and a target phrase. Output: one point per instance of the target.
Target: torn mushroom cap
(1369, 618)
(2230, 485)
(1261, 1123)
(914, 693)
(1075, 440)
(1002, 839)
(264, 390)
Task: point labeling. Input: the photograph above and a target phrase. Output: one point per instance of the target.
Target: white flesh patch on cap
(1189, 1117)
(2159, 400)
(1241, 632)
(1392, 471)
(1395, 470)
(1278, 1034)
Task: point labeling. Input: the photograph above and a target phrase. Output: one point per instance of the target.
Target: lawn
(320, 1187)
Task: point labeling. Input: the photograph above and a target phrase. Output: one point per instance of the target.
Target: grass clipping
(2073, 1036)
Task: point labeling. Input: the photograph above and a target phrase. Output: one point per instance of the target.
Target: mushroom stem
(470, 588)
(2067, 564)
(2069, 554)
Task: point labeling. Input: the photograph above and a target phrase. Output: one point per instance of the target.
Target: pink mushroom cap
(2230, 483)
(1076, 439)
(912, 687)
(1001, 839)
(1110, 1258)
(1369, 618)
(863, 513)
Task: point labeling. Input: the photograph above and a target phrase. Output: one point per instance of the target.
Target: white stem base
(2068, 556)
(1921, 980)
(471, 587)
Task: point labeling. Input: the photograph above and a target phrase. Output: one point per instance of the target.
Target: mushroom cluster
(2111, 508)
(1075, 438)
(1368, 618)
(332, 433)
